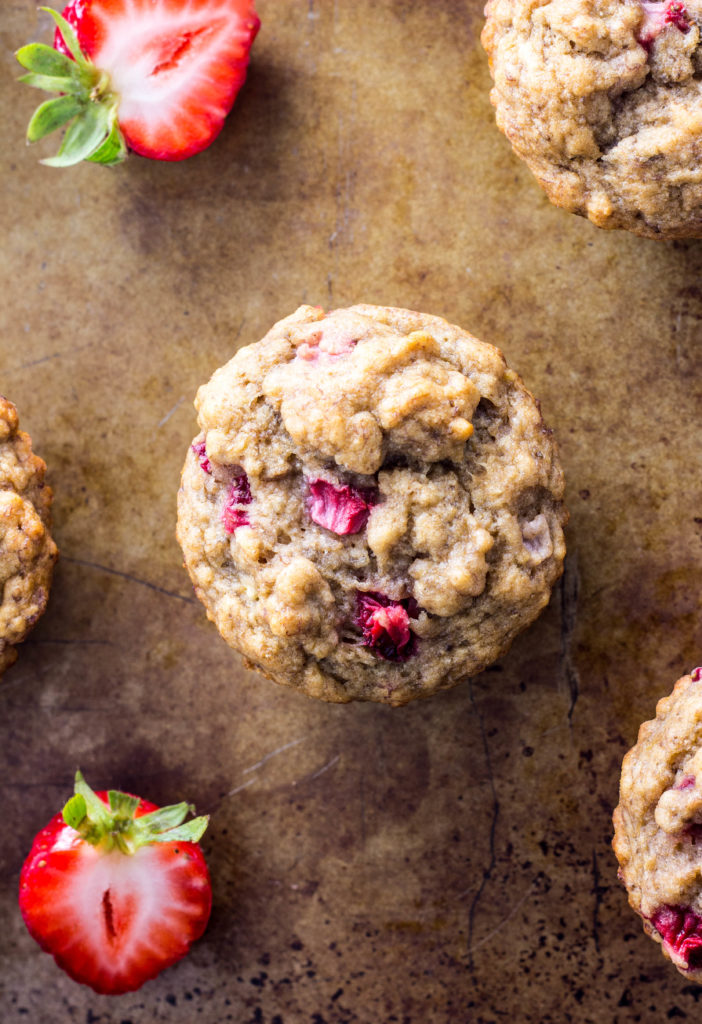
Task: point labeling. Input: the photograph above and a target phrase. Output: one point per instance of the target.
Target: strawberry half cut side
(116, 888)
(155, 76)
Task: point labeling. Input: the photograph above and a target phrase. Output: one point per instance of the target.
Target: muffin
(658, 826)
(603, 100)
(373, 508)
(27, 552)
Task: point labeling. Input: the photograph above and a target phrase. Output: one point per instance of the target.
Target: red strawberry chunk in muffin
(239, 493)
(233, 518)
(657, 16)
(676, 14)
(384, 625)
(240, 490)
(339, 507)
(681, 931)
(200, 450)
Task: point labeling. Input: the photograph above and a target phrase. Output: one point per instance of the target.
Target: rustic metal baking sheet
(445, 862)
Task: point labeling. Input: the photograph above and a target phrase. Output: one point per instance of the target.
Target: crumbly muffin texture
(658, 826)
(373, 508)
(27, 551)
(603, 100)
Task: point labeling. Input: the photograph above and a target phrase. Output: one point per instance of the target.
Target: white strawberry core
(158, 58)
(142, 69)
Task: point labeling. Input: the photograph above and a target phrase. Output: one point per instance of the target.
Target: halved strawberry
(157, 76)
(116, 888)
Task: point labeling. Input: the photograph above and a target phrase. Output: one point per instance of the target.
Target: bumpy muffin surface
(658, 825)
(603, 100)
(27, 551)
(373, 508)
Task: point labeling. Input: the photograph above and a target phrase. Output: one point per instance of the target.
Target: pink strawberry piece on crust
(681, 931)
(696, 674)
(385, 625)
(657, 16)
(686, 782)
(339, 507)
(329, 340)
(239, 493)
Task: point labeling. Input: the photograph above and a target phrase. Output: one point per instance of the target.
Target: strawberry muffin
(658, 826)
(603, 100)
(27, 552)
(373, 508)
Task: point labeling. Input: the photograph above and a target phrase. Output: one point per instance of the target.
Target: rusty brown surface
(445, 862)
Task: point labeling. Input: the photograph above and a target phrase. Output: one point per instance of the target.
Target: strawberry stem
(68, 32)
(116, 825)
(85, 100)
(75, 811)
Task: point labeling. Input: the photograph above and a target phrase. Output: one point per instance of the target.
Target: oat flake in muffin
(658, 825)
(603, 100)
(373, 508)
(27, 552)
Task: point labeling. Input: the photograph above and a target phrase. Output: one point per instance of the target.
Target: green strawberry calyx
(116, 827)
(85, 100)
